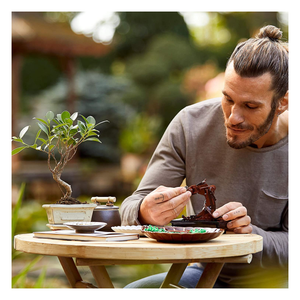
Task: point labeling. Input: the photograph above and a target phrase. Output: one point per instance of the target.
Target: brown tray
(182, 234)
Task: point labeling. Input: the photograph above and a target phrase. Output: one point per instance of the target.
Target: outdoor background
(135, 69)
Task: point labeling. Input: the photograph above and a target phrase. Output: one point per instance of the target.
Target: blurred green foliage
(139, 135)
(151, 54)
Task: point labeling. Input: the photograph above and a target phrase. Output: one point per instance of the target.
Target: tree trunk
(64, 185)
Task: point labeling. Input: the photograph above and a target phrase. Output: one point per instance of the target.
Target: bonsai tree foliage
(60, 143)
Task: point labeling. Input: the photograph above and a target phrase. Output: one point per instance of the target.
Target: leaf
(105, 121)
(37, 135)
(74, 116)
(92, 134)
(17, 150)
(23, 131)
(43, 127)
(33, 146)
(57, 126)
(73, 132)
(54, 129)
(71, 141)
(84, 119)
(81, 126)
(68, 121)
(49, 116)
(64, 115)
(42, 140)
(91, 120)
(58, 116)
(93, 139)
(15, 139)
(41, 120)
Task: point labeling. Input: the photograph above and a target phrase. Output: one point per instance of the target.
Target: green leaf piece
(65, 115)
(58, 116)
(71, 141)
(41, 120)
(93, 139)
(23, 131)
(68, 121)
(74, 116)
(17, 150)
(91, 120)
(15, 139)
(49, 116)
(42, 140)
(37, 135)
(81, 126)
(73, 132)
(43, 127)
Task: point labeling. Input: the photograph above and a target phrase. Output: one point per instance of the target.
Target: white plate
(128, 229)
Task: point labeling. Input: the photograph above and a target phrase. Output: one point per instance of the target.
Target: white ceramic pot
(62, 213)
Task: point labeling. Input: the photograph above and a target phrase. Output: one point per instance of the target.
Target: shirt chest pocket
(269, 209)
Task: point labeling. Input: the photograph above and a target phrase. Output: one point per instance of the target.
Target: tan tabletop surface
(226, 248)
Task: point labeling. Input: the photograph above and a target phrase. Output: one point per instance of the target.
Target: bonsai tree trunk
(67, 187)
(67, 191)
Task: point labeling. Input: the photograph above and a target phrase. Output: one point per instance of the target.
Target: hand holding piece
(163, 205)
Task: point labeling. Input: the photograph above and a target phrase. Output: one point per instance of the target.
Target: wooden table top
(144, 249)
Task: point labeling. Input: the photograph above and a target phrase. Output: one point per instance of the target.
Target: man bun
(270, 32)
(262, 54)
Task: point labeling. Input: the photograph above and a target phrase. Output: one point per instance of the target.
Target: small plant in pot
(58, 137)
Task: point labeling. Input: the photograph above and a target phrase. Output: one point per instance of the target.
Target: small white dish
(128, 229)
(85, 227)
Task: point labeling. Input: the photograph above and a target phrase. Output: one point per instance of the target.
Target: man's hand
(236, 213)
(163, 205)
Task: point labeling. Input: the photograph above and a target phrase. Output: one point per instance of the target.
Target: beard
(260, 131)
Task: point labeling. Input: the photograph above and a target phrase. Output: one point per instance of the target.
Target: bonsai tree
(60, 143)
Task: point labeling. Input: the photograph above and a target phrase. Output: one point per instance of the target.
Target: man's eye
(251, 106)
(229, 100)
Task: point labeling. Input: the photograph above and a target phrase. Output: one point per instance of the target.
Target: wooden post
(174, 275)
(101, 276)
(72, 273)
(210, 275)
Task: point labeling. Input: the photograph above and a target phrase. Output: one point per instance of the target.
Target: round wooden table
(233, 248)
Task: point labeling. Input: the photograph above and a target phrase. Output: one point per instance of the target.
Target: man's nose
(236, 115)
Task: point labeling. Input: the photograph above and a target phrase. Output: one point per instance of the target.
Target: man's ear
(283, 103)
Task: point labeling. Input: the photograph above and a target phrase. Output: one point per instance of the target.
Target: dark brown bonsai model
(209, 207)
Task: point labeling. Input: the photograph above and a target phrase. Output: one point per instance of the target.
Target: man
(247, 161)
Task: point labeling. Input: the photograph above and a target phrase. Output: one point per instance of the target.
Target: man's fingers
(236, 213)
(230, 211)
(163, 194)
(244, 221)
(243, 229)
(174, 207)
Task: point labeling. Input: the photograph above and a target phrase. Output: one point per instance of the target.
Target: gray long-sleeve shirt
(194, 147)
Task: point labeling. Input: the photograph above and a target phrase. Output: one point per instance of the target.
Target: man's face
(246, 105)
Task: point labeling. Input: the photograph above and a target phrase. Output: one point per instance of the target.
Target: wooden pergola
(32, 33)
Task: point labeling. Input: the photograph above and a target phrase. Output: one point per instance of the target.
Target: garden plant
(60, 142)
